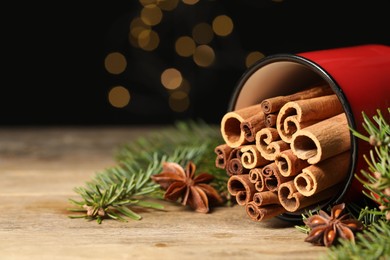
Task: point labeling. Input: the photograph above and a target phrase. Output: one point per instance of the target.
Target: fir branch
(116, 191)
(372, 243)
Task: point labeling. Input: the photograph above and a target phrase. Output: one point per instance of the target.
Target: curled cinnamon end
(231, 125)
(234, 167)
(252, 125)
(272, 177)
(323, 175)
(257, 213)
(295, 115)
(265, 198)
(289, 164)
(270, 120)
(274, 104)
(269, 143)
(257, 178)
(242, 188)
(223, 153)
(322, 140)
(251, 157)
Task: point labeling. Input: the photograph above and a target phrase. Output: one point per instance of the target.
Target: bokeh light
(202, 33)
(151, 14)
(223, 25)
(119, 96)
(204, 56)
(185, 46)
(115, 63)
(171, 78)
(190, 2)
(252, 57)
(168, 5)
(179, 101)
(148, 40)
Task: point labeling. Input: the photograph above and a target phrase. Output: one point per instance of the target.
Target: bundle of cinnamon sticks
(285, 153)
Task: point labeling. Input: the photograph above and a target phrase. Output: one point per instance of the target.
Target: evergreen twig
(115, 192)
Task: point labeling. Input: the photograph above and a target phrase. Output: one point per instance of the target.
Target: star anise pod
(325, 229)
(184, 185)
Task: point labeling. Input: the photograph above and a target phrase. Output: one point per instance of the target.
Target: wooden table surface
(39, 168)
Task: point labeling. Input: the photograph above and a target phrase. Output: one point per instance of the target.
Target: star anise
(325, 229)
(184, 185)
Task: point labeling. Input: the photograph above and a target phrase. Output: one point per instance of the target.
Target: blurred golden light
(148, 2)
(148, 40)
(185, 46)
(115, 63)
(190, 2)
(151, 15)
(204, 55)
(179, 101)
(171, 78)
(167, 5)
(119, 96)
(185, 86)
(252, 57)
(222, 25)
(202, 33)
(137, 26)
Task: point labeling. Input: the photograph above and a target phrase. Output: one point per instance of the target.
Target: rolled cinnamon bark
(242, 188)
(261, 213)
(257, 178)
(273, 178)
(270, 120)
(223, 154)
(269, 144)
(231, 125)
(295, 115)
(273, 104)
(289, 164)
(322, 140)
(251, 157)
(252, 125)
(234, 167)
(322, 175)
(292, 200)
(265, 198)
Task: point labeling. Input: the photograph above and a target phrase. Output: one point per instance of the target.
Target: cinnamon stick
(323, 175)
(257, 178)
(274, 104)
(252, 125)
(322, 140)
(223, 154)
(292, 200)
(273, 178)
(270, 120)
(242, 188)
(231, 125)
(234, 167)
(295, 115)
(251, 157)
(265, 198)
(269, 143)
(289, 164)
(261, 213)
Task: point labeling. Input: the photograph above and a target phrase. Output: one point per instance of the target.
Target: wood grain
(39, 167)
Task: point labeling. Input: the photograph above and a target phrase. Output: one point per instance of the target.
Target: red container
(359, 75)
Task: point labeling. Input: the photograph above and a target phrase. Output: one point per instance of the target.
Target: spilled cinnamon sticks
(285, 153)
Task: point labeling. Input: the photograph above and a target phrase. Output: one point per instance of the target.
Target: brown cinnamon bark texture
(286, 154)
(223, 154)
(295, 115)
(273, 104)
(322, 140)
(322, 175)
(231, 125)
(242, 188)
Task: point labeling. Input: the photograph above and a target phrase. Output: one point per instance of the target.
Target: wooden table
(39, 168)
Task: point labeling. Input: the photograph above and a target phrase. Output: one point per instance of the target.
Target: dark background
(53, 54)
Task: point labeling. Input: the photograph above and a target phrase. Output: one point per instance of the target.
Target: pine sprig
(116, 192)
(374, 241)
